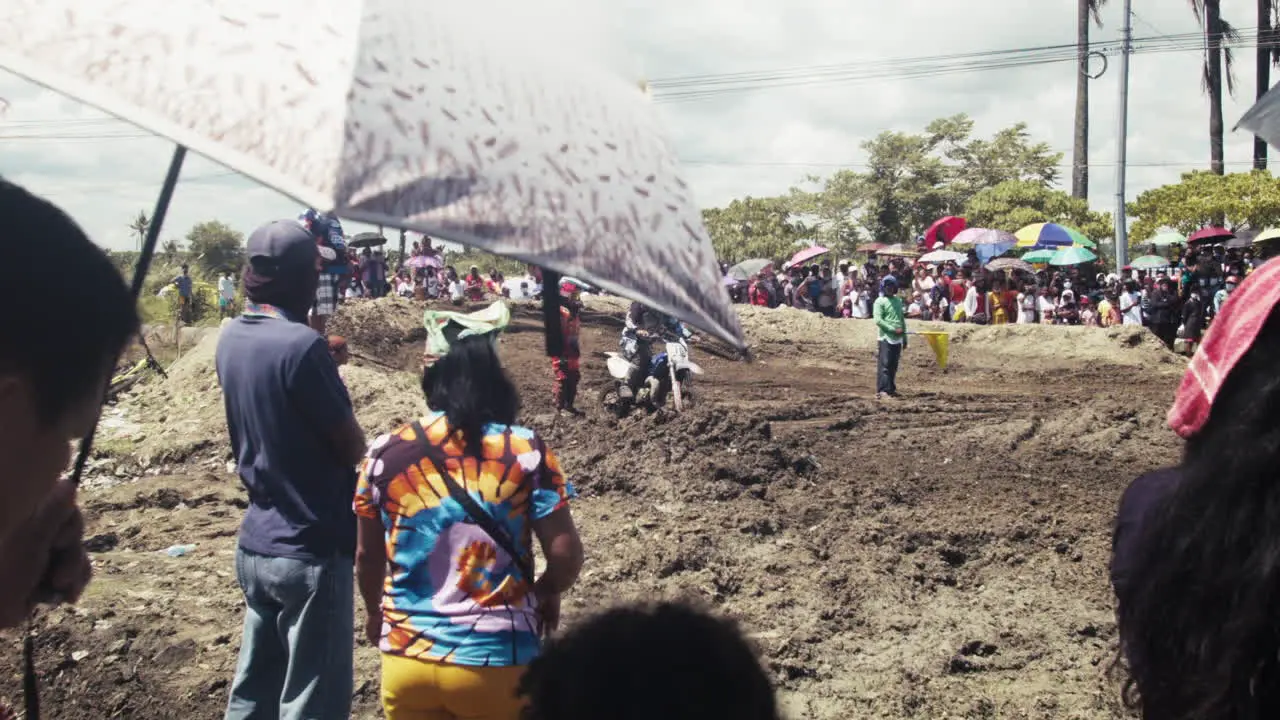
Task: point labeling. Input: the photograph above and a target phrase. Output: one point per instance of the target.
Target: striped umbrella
(1039, 257)
(1052, 235)
(1165, 239)
(1072, 256)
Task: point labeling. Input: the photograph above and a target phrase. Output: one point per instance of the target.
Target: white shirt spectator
(1130, 308)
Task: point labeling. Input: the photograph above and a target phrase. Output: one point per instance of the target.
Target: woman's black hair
(68, 310)
(667, 661)
(471, 388)
(1201, 620)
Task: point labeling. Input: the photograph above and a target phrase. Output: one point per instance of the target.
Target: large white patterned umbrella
(399, 113)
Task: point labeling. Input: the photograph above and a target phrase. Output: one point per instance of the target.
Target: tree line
(1006, 181)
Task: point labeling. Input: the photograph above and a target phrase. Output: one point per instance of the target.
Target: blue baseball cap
(284, 245)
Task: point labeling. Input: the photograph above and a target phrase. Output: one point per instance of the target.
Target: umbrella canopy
(1267, 236)
(1263, 119)
(942, 256)
(1052, 235)
(806, 255)
(424, 261)
(1039, 257)
(1072, 256)
(443, 126)
(1165, 239)
(943, 231)
(1010, 264)
(748, 269)
(898, 250)
(1210, 235)
(871, 247)
(1149, 262)
(367, 239)
(986, 243)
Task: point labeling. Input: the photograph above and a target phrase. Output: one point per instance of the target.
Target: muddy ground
(939, 556)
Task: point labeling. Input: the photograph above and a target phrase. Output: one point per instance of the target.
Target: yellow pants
(426, 690)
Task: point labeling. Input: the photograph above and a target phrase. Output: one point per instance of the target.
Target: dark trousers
(887, 368)
(1167, 332)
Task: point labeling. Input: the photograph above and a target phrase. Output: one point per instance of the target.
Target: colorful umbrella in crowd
(1004, 263)
(367, 240)
(943, 231)
(1267, 236)
(424, 261)
(986, 243)
(942, 256)
(1165, 239)
(748, 269)
(1052, 235)
(871, 247)
(1039, 257)
(1149, 262)
(1072, 256)
(805, 255)
(1210, 235)
(451, 124)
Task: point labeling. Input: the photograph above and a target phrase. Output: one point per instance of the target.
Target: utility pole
(1122, 141)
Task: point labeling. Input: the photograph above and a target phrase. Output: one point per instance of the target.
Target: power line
(863, 165)
(698, 87)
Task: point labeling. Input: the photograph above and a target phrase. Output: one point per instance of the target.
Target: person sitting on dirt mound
(296, 443)
(1196, 549)
(51, 387)
(448, 507)
(641, 663)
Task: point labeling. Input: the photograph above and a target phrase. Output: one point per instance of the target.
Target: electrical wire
(701, 87)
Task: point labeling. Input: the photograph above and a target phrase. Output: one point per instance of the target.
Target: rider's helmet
(889, 283)
(571, 291)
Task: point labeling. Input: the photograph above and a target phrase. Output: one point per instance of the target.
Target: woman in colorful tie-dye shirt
(456, 617)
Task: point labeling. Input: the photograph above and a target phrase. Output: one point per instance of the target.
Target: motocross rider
(644, 327)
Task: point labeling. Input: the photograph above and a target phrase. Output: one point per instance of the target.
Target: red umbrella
(805, 255)
(942, 230)
(1210, 234)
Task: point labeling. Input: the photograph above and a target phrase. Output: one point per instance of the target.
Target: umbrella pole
(31, 699)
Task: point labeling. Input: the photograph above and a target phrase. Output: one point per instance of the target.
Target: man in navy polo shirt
(296, 443)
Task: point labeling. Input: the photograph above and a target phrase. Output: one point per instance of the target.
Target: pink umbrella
(805, 255)
(1210, 234)
(943, 231)
(424, 261)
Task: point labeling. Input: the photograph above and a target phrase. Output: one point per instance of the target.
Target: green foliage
(753, 228)
(911, 179)
(1249, 199)
(1014, 204)
(216, 248)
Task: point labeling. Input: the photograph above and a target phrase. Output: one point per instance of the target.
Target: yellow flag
(940, 343)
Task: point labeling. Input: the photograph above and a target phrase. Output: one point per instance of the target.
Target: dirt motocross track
(939, 556)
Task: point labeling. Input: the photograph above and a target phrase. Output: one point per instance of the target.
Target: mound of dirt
(181, 418)
(381, 329)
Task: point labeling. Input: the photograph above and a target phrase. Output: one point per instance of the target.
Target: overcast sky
(758, 143)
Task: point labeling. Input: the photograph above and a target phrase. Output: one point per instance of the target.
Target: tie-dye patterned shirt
(451, 593)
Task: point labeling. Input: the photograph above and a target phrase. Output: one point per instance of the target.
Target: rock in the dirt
(79, 655)
(102, 542)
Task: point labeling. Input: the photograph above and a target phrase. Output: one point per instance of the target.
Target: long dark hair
(1201, 625)
(471, 388)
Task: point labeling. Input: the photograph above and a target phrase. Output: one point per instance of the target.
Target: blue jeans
(295, 657)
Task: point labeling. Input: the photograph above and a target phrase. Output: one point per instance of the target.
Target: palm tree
(139, 226)
(1219, 64)
(1086, 11)
(1268, 53)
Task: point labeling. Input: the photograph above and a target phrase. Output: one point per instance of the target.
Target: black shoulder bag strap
(486, 521)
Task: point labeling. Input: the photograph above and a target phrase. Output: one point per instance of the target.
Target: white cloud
(756, 143)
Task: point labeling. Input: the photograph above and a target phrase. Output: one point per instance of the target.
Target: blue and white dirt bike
(670, 373)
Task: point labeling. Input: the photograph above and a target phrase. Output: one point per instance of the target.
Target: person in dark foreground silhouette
(1196, 563)
(663, 661)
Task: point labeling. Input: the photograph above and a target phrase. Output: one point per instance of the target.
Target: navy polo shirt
(284, 400)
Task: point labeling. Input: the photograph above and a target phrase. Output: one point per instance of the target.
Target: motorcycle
(670, 371)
